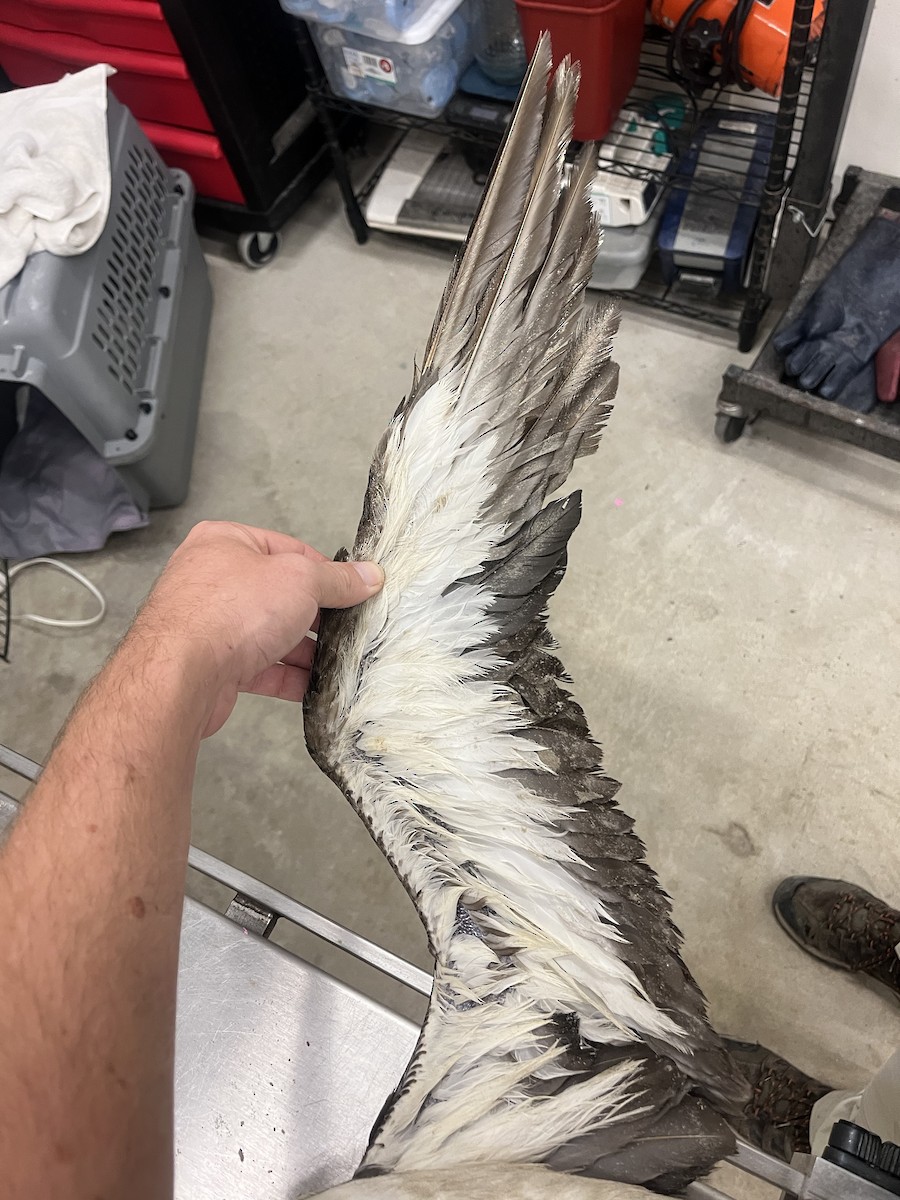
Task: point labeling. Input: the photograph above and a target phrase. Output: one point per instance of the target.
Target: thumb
(343, 584)
(825, 316)
(789, 337)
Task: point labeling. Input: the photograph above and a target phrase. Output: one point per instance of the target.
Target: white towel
(54, 168)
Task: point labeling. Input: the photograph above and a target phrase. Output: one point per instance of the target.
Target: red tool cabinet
(220, 97)
(132, 24)
(156, 87)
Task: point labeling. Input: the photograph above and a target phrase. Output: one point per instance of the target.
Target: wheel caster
(729, 429)
(257, 249)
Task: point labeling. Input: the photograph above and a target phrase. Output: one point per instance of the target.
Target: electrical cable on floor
(9, 575)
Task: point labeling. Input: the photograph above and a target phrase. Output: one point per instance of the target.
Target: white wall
(872, 133)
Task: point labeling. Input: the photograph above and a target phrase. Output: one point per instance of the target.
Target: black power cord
(732, 70)
(683, 61)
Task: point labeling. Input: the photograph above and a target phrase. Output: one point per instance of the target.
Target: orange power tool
(761, 40)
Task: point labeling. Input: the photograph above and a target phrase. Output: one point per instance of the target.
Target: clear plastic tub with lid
(415, 73)
(375, 18)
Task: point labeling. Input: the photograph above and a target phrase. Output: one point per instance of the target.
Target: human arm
(92, 876)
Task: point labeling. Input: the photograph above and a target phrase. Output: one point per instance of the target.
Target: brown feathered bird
(564, 1027)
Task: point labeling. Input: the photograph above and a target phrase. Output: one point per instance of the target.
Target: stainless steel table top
(281, 1071)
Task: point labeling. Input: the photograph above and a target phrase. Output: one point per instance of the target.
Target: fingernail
(370, 573)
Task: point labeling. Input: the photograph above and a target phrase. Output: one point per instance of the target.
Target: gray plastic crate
(116, 337)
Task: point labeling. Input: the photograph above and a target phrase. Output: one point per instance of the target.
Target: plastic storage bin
(375, 18)
(631, 161)
(416, 72)
(605, 38)
(711, 212)
(623, 255)
(156, 87)
(116, 337)
(135, 24)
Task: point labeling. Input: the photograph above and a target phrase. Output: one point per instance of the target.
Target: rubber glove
(853, 312)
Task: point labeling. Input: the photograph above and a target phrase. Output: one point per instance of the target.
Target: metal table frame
(254, 910)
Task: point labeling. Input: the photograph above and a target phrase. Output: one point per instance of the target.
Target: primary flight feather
(564, 1027)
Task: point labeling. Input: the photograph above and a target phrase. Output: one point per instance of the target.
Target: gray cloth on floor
(56, 493)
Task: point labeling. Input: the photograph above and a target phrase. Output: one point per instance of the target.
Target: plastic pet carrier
(116, 337)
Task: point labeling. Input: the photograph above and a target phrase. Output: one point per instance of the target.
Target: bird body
(564, 1027)
(509, 1182)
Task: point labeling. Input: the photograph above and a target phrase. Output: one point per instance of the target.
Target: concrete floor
(731, 628)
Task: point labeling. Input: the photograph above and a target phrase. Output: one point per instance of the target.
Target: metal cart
(762, 388)
(808, 123)
(281, 1071)
(248, 73)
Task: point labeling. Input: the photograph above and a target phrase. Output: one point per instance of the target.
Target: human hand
(243, 600)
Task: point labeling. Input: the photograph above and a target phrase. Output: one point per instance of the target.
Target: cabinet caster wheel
(257, 250)
(729, 429)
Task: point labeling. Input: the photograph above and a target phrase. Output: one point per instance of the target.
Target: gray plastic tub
(624, 254)
(116, 337)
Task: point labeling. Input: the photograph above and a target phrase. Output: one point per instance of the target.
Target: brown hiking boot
(841, 925)
(776, 1117)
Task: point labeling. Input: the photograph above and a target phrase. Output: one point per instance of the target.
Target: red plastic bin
(156, 87)
(201, 155)
(134, 24)
(605, 38)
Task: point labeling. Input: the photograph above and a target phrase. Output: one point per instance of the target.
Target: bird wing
(564, 1027)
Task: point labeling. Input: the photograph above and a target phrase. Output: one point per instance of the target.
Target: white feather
(408, 694)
